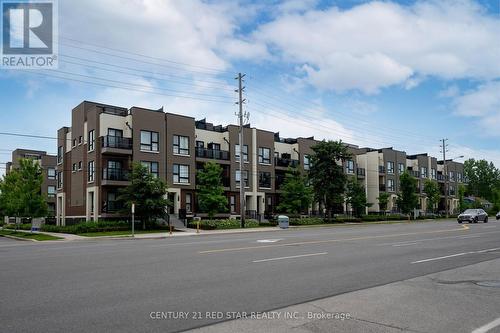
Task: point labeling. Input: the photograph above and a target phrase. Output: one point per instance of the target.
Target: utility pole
(444, 147)
(240, 115)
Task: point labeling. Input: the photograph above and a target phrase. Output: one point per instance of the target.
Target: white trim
(150, 151)
(181, 183)
(183, 155)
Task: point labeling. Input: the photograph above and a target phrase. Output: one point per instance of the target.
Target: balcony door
(114, 170)
(114, 137)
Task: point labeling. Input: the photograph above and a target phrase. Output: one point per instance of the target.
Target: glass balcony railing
(212, 154)
(115, 174)
(117, 142)
(286, 162)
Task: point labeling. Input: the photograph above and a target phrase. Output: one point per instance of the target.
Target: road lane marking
(487, 327)
(463, 228)
(470, 236)
(268, 240)
(291, 257)
(456, 255)
(405, 244)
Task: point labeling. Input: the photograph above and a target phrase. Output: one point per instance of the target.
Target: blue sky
(372, 73)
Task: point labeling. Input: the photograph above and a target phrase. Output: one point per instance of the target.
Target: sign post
(133, 222)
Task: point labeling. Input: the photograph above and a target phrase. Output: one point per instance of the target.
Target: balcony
(116, 145)
(381, 169)
(415, 174)
(212, 154)
(113, 176)
(286, 162)
(361, 172)
(112, 206)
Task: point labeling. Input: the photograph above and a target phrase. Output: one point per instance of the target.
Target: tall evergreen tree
(327, 175)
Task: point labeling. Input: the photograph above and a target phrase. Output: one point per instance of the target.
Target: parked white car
(498, 216)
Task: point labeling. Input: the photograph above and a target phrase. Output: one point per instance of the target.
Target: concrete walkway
(465, 299)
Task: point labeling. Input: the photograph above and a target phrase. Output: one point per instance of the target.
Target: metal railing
(115, 174)
(112, 206)
(212, 153)
(118, 142)
(286, 162)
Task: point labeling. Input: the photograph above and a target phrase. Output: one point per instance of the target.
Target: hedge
(223, 224)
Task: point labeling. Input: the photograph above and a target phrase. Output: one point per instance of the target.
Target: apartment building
(96, 152)
(48, 164)
(454, 171)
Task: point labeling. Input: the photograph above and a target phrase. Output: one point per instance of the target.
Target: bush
(307, 221)
(223, 224)
(88, 227)
(24, 226)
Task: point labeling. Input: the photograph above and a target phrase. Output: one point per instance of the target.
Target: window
(433, 173)
(74, 167)
(264, 155)
(189, 198)
(390, 185)
(401, 168)
(459, 177)
(51, 173)
(452, 190)
(423, 172)
(245, 152)
(307, 162)
(200, 144)
(80, 140)
(349, 168)
(214, 146)
(90, 172)
(151, 166)
(390, 167)
(51, 191)
(232, 203)
(181, 174)
(80, 166)
(91, 140)
(265, 179)
(181, 145)
(115, 132)
(60, 152)
(74, 143)
(238, 178)
(149, 141)
(452, 176)
(59, 179)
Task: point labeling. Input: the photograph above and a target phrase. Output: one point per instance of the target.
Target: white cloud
(379, 44)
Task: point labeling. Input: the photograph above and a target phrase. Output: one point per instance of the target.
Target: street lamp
(446, 183)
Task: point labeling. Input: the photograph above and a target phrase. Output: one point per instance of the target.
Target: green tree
(147, 192)
(20, 191)
(211, 198)
(461, 194)
(296, 194)
(356, 197)
(326, 173)
(482, 177)
(431, 189)
(383, 200)
(407, 198)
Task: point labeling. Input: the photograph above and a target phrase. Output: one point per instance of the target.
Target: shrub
(224, 224)
(88, 227)
(307, 221)
(24, 226)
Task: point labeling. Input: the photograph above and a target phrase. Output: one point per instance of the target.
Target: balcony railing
(114, 174)
(117, 142)
(212, 153)
(112, 206)
(286, 162)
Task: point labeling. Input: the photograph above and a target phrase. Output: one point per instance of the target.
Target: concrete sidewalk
(466, 299)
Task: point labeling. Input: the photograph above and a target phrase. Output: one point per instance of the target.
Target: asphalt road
(135, 285)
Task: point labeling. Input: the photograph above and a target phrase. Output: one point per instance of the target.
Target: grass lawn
(28, 235)
(123, 233)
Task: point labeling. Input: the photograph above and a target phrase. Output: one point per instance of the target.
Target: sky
(400, 74)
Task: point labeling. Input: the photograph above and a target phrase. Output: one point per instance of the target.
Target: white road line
(268, 240)
(487, 327)
(292, 257)
(405, 244)
(439, 258)
(471, 236)
(488, 250)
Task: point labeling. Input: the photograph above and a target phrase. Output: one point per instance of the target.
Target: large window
(181, 174)
(60, 152)
(433, 173)
(452, 176)
(51, 173)
(390, 185)
(307, 162)
(238, 178)
(401, 168)
(90, 172)
(232, 203)
(149, 141)
(390, 167)
(152, 167)
(189, 199)
(237, 152)
(264, 155)
(51, 191)
(349, 168)
(423, 172)
(265, 179)
(91, 140)
(459, 177)
(181, 145)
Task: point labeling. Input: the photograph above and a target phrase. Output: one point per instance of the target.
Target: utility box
(283, 221)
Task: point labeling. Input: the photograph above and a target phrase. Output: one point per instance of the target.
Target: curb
(19, 238)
